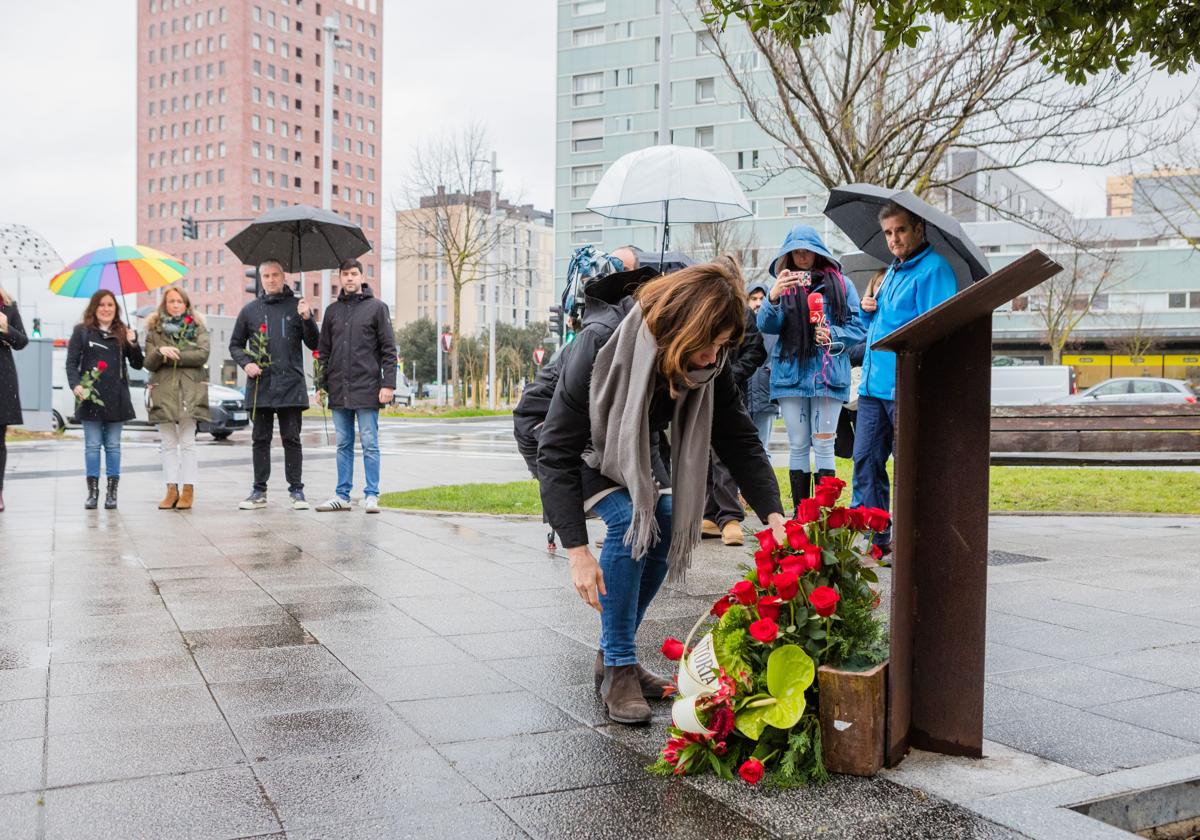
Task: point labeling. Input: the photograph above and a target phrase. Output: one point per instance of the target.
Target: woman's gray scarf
(622, 386)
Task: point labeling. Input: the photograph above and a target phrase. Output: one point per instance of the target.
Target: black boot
(822, 474)
(801, 482)
(110, 496)
(93, 493)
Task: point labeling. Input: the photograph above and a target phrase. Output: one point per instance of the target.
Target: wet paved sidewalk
(232, 674)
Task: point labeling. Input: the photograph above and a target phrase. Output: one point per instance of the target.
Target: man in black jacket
(723, 513)
(276, 385)
(358, 355)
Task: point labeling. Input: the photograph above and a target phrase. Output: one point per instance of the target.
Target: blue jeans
(874, 434)
(808, 419)
(368, 431)
(108, 435)
(764, 422)
(630, 584)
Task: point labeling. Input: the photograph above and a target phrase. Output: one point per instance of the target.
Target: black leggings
(3, 453)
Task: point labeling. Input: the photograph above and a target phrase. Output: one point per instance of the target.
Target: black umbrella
(302, 238)
(855, 209)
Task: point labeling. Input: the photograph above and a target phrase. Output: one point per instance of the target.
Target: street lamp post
(492, 303)
(332, 43)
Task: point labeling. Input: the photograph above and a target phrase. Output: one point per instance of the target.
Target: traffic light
(255, 285)
(37, 328)
(556, 322)
(191, 230)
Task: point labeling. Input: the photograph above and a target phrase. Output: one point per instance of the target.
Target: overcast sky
(67, 122)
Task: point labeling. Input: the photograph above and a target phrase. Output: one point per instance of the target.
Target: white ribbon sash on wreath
(698, 673)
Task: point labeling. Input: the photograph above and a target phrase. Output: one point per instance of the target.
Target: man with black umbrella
(918, 279)
(266, 343)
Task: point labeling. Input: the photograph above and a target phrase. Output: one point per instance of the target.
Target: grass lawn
(1049, 489)
(18, 434)
(429, 413)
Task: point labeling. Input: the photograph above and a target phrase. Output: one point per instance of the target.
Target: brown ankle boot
(653, 686)
(171, 498)
(185, 498)
(622, 695)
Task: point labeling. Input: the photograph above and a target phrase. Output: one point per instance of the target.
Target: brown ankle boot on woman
(171, 498)
(185, 498)
(622, 695)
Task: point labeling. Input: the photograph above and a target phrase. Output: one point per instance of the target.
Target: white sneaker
(334, 503)
(371, 503)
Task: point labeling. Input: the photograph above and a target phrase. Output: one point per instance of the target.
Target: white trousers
(178, 446)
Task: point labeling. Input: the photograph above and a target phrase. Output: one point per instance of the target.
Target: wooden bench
(1128, 427)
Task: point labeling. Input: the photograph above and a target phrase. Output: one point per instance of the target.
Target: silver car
(1134, 389)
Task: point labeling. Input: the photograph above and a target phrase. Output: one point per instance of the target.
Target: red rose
(764, 574)
(876, 552)
(809, 510)
(766, 539)
(102, 366)
(187, 319)
(262, 328)
(878, 519)
(839, 517)
(792, 564)
(672, 649)
(720, 724)
(858, 518)
(764, 630)
(824, 600)
(768, 607)
(721, 606)
(751, 771)
(796, 536)
(827, 495)
(787, 584)
(744, 593)
(832, 481)
(812, 558)
(316, 354)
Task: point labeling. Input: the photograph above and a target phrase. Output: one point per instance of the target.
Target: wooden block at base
(853, 716)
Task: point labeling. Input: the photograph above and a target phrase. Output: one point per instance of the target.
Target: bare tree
(709, 239)
(846, 109)
(446, 193)
(1136, 334)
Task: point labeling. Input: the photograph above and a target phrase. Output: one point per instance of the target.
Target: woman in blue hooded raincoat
(810, 370)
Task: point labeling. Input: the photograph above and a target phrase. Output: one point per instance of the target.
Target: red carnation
(878, 519)
(764, 630)
(672, 649)
(768, 607)
(812, 558)
(809, 510)
(751, 771)
(766, 539)
(102, 366)
(827, 495)
(824, 600)
(721, 606)
(720, 724)
(262, 328)
(787, 584)
(839, 517)
(744, 593)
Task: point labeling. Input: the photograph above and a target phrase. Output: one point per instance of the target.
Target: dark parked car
(227, 408)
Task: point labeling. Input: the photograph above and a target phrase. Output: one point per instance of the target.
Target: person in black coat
(276, 384)
(12, 337)
(102, 348)
(723, 512)
(358, 357)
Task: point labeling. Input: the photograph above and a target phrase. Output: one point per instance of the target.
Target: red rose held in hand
(672, 649)
(102, 366)
(262, 328)
(316, 354)
(764, 630)
(787, 584)
(744, 593)
(751, 771)
(824, 600)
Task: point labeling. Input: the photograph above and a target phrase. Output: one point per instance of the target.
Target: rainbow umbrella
(121, 269)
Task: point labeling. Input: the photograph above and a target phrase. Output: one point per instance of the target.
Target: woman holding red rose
(664, 367)
(101, 343)
(177, 355)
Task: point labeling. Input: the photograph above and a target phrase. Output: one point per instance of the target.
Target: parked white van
(1031, 384)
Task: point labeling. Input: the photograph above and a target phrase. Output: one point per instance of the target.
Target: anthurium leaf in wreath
(790, 671)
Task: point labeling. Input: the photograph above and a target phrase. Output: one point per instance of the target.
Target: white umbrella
(664, 184)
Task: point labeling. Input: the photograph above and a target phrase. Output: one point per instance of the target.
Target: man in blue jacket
(918, 280)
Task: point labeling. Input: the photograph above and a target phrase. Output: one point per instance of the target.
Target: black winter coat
(283, 384)
(87, 348)
(358, 350)
(13, 339)
(750, 354)
(566, 481)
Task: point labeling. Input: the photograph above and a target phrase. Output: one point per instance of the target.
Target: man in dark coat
(358, 360)
(723, 512)
(276, 385)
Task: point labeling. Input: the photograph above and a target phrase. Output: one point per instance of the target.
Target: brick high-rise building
(229, 126)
